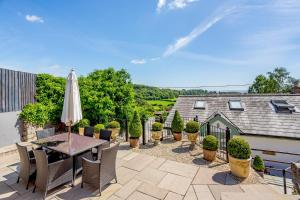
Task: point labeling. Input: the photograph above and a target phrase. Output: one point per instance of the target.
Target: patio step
(257, 192)
(11, 149)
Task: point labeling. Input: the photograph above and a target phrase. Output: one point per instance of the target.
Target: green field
(163, 104)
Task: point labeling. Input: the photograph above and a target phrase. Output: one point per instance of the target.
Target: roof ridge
(240, 95)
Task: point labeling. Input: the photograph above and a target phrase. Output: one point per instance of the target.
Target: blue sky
(160, 42)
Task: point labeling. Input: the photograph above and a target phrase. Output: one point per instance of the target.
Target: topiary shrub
(135, 128)
(177, 123)
(210, 142)
(113, 124)
(157, 126)
(98, 127)
(192, 127)
(35, 114)
(239, 148)
(84, 123)
(258, 164)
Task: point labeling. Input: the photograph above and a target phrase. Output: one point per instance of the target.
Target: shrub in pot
(259, 165)
(156, 132)
(135, 130)
(97, 129)
(114, 126)
(177, 126)
(83, 124)
(210, 146)
(239, 157)
(192, 128)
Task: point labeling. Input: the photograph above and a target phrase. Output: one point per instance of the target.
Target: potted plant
(97, 129)
(239, 157)
(156, 132)
(114, 126)
(259, 165)
(192, 128)
(135, 130)
(83, 124)
(210, 146)
(177, 126)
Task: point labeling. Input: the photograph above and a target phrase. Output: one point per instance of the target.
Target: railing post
(208, 128)
(126, 130)
(284, 181)
(144, 134)
(227, 139)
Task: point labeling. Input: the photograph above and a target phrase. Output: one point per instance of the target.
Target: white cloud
(34, 19)
(203, 27)
(160, 4)
(138, 61)
(155, 58)
(178, 4)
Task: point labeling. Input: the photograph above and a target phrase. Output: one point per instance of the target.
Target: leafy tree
(278, 81)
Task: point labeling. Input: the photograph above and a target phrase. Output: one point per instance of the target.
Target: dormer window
(282, 106)
(200, 105)
(235, 105)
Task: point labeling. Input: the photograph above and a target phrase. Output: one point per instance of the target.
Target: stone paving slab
(128, 189)
(175, 183)
(150, 175)
(153, 190)
(139, 162)
(157, 163)
(124, 175)
(216, 190)
(130, 156)
(7, 193)
(114, 198)
(206, 176)
(140, 196)
(177, 168)
(203, 192)
(173, 196)
(190, 195)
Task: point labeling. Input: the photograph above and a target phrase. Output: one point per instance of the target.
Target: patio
(142, 176)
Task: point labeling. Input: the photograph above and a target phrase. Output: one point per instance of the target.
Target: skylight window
(283, 106)
(235, 105)
(199, 105)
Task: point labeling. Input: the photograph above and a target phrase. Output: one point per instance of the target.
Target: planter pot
(114, 133)
(240, 167)
(192, 137)
(177, 136)
(97, 135)
(156, 135)
(81, 131)
(209, 155)
(134, 142)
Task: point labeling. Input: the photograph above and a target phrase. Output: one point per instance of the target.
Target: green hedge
(239, 148)
(210, 142)
(156, 126)
(192, 127)
(177, 123)
(35, 114)
(135, 128)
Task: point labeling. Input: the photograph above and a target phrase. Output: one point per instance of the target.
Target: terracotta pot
(192, 137)
(134, 142)
(114, 133)
(156, 135)
(209, 155)
(97, 135)
(240, 167)
(81, 131)
(177, 136)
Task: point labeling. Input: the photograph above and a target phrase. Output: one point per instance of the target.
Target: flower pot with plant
(114, 126)
(83, 124)
(210, 146)
(192, 128)
(97, 129)
(239, 157)
(177, 126)
(259, 165)
(135, 130)
(156, 132)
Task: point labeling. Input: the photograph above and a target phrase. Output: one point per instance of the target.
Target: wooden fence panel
(16, 90)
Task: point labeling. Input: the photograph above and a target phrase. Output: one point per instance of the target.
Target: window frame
(200, 107)
(235, 108)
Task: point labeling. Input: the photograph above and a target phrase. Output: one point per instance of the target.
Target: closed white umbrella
(72, 113)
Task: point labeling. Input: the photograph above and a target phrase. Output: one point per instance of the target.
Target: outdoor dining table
(72, 145)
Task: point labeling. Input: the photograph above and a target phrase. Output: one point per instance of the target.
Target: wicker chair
(89, 131)
(27, 164)
(45, 133)
(51, 175)
(296, 176)
(101, 172)
(104, 135)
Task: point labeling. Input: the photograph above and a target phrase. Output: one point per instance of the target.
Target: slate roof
(258, 118)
